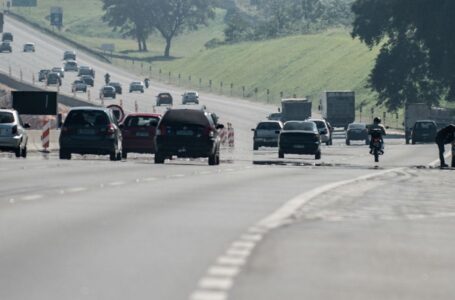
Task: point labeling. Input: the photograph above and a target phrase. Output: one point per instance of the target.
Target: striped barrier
(224, 136)
(45, 137)
(231, 136)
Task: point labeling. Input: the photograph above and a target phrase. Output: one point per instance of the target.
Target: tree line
(140, 18)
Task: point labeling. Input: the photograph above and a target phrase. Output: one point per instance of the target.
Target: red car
(139, 132)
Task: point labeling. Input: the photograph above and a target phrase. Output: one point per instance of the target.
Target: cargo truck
(1, 22)
(338, 107)
(295, 109)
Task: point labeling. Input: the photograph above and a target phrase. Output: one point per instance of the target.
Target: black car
(117, 86)
(164, 99)
(107, 91)
(424, 131)
(299, 137)
(84, 70)
(7, 36)
(188, 133)
(42, 75)
(53, 78)
(6, 47)
(88, 79)
(357, 132)
(91, 130)
(69, 55)
(79, 86)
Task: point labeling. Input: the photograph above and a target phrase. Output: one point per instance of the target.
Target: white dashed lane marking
(32, 197)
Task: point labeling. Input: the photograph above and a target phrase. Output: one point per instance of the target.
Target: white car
(325, 130)
(29, 47)
(13, 136)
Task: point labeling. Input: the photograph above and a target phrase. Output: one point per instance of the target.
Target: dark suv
(91, 130)
(424, 131)
(7, 36)
(164, 99)
(189, 133)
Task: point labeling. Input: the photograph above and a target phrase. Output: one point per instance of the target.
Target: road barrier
(231, 135)
(224, 136)
(45, 137)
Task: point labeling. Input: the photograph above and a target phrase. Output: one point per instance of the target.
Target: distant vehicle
(266, 134)
(189, 133)
(85, 70)
(79, 86)
(6, 47)
(325, 130)
(117, 86)
(42, 75)
(13, 136)
(357, 132)
(295, 109)
(136, 86)
(424, 131)
(190, 97)
(164, 99)
(107, 91)
(90, 130)
(299, 137)
(29, 47)
(88, 80)
(71, 66)
(7, 36)
(139, 132)
(338, 107)
(53, 78)
(275, 116)
(1, 22)
(59, 70)
(69, 55)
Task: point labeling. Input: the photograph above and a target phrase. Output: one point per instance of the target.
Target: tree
(417, 39)
(130, 17)
(172, 17)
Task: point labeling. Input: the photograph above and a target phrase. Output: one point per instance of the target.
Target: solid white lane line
(77, 190)
(251, 237)
(208, 295)
(243, 245)
(238, 252)
(150, 179)
(175, 176)
(212, 283)
(32, 197)
(117, 183)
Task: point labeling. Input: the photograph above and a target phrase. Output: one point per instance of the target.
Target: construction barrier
(231, 135)
(45, 137)
(224, 136)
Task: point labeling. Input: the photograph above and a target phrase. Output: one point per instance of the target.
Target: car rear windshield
(357, 126)
(319, 124)
(141, 121)
(268, 126)
(87, 118)
(306, 126)
(425, 125)
(6, 117)
(185, 117)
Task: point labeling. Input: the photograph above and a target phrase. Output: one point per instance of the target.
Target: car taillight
(161, 130)
(208, 132)
(110, 129)
(14, 130)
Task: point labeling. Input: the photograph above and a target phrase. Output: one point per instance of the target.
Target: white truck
(338, 107)
(295, 109)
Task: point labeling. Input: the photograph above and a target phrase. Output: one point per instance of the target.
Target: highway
(255, 227)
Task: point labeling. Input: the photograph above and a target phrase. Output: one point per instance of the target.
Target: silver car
(324, 130)
(13, 136)
(266, 134)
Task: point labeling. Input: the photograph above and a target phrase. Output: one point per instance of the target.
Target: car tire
(413, 142)
(63, 154)
(119, 156)
(367, 142)
(348, 142)
(124, 154)
(159, 158)
(18, 151)
(24, 152)
(317, 156)
(218, 159)
(280, 154)
(113, 156)
(255, 147)
(212, 159)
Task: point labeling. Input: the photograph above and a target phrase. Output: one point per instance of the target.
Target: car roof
(114, 83)
(425, 121)
(96, 108)
(136, 82)
(29, 43)
(107, 87)
(270, 121)
(144, 115)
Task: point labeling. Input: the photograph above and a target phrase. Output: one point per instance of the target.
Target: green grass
(83, 23)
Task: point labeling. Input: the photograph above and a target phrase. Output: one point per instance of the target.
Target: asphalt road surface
(255, 227)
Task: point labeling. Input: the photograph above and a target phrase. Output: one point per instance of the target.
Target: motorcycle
(107, 78)
(147, 83)
(377, 144)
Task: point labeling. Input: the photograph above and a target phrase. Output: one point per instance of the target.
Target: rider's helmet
(377, 120)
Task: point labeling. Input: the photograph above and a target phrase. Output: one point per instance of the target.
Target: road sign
(24, 3)
(108, 47)
(56, 16)
(35, 103)
(118, 112)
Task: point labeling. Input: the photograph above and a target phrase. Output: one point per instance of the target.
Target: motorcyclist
(444, 136)
(146, 83)
(107, 78)
(374, 128)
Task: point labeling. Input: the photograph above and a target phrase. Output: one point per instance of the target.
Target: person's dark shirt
(446, 135)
